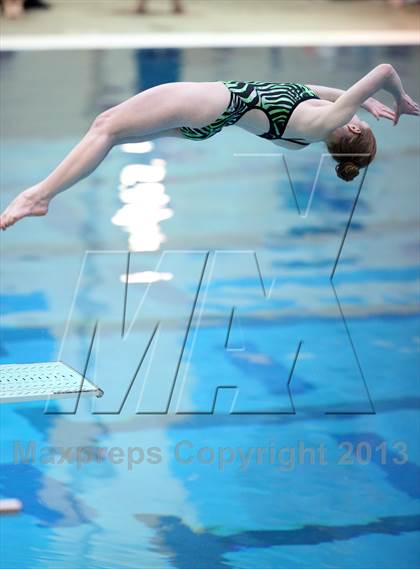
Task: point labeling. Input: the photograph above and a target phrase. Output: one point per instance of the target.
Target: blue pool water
(273, 421)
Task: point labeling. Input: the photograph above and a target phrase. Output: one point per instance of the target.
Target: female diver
(291, 115)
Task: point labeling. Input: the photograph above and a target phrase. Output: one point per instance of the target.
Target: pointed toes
(5, 222)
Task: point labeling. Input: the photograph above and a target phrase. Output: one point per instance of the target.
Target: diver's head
(353, 146)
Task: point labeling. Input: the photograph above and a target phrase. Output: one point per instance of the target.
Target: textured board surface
(52, 380)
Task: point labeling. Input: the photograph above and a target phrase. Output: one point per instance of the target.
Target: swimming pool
(309, 456)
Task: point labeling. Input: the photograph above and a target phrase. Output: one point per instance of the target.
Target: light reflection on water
(143, 193)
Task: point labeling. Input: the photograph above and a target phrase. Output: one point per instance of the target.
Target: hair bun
(347, 171)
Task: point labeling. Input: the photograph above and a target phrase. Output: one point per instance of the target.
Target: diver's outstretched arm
(371, 105)
(344, 108)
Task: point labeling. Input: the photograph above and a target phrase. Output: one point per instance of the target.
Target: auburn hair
(353, 153)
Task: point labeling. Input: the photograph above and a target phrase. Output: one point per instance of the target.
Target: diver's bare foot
(28, 203)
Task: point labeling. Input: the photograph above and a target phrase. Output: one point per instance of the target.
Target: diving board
(50, 380)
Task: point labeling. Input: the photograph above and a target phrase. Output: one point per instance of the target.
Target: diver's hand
(405, 106)
(378, 109)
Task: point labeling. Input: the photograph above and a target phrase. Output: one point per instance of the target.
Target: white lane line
(207, 40)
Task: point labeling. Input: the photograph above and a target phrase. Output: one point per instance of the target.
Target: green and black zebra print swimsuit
(277, 100)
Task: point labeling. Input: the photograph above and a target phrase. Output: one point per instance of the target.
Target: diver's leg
(147, 114)
(79, 163)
